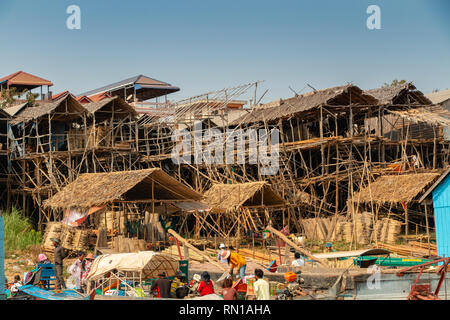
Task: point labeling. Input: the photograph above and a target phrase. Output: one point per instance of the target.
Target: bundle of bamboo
(53, 230)
(387, 230)
(407, 250)
(173, 251)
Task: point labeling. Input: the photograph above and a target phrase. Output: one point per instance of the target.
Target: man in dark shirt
(162, 285)
(60, 254)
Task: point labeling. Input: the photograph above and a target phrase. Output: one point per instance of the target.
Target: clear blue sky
(202, 45)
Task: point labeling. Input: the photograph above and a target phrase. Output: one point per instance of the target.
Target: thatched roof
(337, 96)
(399, 94)
(435, 115)
(104, 108)
(439, 96)
(395, 188)
(95, 189)
(44, 108)
(225, 197)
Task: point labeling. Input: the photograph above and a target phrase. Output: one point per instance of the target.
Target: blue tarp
(51, 295)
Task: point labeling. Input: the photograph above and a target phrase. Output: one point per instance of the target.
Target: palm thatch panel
(64, 109)
(436, 115)
(225, 197)
(104, 108)
(399, 94)
(95, 189)
(395, 188)
(284, 109)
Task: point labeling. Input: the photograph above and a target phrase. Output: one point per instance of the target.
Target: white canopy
(148, 262)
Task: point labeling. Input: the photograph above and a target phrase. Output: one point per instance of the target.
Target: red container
(242, 287)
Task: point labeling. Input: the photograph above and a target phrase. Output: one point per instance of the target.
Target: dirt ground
(18, 264)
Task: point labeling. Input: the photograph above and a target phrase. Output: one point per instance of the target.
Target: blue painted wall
(441, 205)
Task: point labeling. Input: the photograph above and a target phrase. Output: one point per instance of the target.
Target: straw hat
(222, 246)
(197, 277)
(225, 254)
(90, 256)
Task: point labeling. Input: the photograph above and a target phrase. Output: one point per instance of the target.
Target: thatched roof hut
(435, 115)
(225, 197)
(307, 104)
(395, 188)
(405, 93)
(104, 108)
(65, 109)
(96, 189)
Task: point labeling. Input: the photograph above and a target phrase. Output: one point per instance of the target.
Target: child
(15, 287)
(299, 260)
(261, 286)
(206, 286)
(228, 292)
(193, 285)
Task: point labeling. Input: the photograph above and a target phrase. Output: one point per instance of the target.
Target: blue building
(440, 194)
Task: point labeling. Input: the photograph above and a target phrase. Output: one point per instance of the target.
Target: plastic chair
(48, 275)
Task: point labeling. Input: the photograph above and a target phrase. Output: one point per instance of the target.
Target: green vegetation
(9, 97)
(19, 232)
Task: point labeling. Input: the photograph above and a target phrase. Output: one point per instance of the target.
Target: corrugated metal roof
(139, 79)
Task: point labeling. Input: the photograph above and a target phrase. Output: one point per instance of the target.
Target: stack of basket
(364, 224)
(53, 230)
(387, 230)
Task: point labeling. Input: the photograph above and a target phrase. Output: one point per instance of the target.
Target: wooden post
(406, 221)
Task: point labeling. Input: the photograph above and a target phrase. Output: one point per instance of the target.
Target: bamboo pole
(296, 247)
(187, 244)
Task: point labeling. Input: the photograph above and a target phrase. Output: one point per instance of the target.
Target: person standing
(59, 254)
(235, 260)
(77, 269)
(222, 248)
(261, 286)
(162, 285)
(87, 267)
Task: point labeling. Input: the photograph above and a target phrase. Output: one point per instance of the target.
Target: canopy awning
(149, 263)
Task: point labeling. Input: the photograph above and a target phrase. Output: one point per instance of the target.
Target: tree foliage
(9, 96)
(394, 82)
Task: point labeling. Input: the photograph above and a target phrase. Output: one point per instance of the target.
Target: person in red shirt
(206, 286)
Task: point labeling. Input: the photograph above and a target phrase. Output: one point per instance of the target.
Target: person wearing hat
(162, 285)
(87, 267)
(195, 282)
(235, 260)
(59, 254)
(222, 248)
